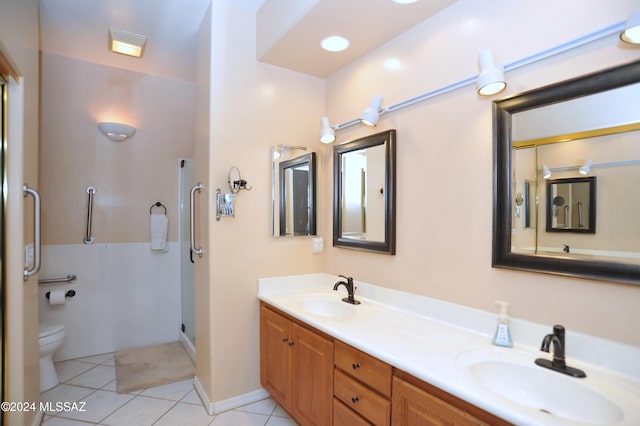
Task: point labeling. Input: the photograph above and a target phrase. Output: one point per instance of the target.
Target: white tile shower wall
(126, 296)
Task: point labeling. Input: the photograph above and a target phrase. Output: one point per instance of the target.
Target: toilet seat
(49, 329)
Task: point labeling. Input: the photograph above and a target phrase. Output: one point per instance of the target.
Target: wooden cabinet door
(275, 356)
(312, 374)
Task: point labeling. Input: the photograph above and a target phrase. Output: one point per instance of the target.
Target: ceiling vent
(126, 43)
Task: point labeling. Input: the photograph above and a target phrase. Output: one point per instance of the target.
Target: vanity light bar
(610, 164)
(578, 42)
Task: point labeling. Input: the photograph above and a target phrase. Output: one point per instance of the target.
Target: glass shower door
(186, 181)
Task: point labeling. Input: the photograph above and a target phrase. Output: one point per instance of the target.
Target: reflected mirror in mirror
(571, 205)
(546, 137)
(364, 193)
(293, 204)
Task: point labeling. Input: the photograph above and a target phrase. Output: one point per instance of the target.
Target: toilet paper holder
(69, 293)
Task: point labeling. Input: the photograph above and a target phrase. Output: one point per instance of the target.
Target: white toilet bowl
(51, 338)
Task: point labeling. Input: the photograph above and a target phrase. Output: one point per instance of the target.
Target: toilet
(51, 338)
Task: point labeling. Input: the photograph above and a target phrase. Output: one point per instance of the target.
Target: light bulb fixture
(585, 168)
(126, 43)
(546, 173)
(491, 78)
(335, 43)
(116, 131)
(631, 32)
(370, 115)
(327, 134)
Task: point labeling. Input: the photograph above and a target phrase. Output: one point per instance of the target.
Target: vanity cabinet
(361, 387)
(296, 367)
(416, 403)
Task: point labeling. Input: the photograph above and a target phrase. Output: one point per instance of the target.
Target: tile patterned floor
(92, 381)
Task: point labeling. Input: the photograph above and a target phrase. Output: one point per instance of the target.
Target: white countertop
(434, 341)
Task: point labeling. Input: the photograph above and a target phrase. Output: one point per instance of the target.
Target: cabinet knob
(291, 343)
(285, 339)
(355, 365)
(355, 399)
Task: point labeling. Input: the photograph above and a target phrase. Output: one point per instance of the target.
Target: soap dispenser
(503, 336)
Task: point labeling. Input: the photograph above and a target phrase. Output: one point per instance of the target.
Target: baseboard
(188, 346)
(228, 404)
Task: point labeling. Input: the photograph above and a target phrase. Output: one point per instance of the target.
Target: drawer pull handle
(355, 365)
(355, 399)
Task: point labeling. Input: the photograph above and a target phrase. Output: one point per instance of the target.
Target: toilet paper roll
(57, 297)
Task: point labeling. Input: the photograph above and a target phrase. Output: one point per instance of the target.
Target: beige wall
(444, 182)
(129, 176)
(19, 42)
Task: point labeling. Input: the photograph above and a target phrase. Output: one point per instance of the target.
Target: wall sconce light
(631, 32)
(586, 167)
(370, 115)
(491, 78)
(327, 134)
(546, 173)
(116, 131)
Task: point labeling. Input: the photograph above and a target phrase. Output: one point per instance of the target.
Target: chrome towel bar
(68, 279)
(88, 238)
(36, 232)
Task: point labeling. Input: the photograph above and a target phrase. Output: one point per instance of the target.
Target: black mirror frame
(388, 246)
(502, 257)
(591, 180)
(309, 159)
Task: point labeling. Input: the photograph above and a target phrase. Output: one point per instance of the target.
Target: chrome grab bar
(36, 232)
(68, 279)
(192, 225)
(88, 238)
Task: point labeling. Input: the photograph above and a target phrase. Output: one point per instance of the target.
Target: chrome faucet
(558, 364)
(350, 290)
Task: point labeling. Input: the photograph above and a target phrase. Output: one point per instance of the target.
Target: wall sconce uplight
(116, 131)
(126, 43)
(327, 134)
(631, 32)
(585, 168)
(546, 173)
(370, 115)
(491, 78)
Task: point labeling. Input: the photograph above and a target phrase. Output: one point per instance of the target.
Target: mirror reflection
(293, 179)
(364, 183)
(558, 141)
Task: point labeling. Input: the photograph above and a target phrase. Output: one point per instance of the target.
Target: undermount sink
(522, 382)
(333, 308)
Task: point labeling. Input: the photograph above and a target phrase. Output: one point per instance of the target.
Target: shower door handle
(36, 232)
(192, 220)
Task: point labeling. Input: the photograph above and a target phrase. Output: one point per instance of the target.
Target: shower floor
(92, 381)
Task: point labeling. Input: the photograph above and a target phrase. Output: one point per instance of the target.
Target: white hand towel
(159, 225)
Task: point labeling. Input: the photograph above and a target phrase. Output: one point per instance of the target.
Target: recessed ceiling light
(126, 43)
(335, 43)
(404, 1)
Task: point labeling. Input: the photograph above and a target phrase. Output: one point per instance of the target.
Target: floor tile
(280, 412)
(280, 421)
(192, 398)
(69, 369)
(265, 407)
(57, 421)
(172, 391)
(239, 418)
(97, 359)
(98, 406)
(65, 393)
(140, 411)
(97, 377)
(185, 415)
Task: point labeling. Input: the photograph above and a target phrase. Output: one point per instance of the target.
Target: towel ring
(158, 204)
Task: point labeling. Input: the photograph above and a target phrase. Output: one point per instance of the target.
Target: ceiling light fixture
(404, 1)
(335, 43)
(586, 167)
(491, 78)
(370, 115)
(116, 131)
(631, 31)
(327, 134)
(546, 173)
(126, 43)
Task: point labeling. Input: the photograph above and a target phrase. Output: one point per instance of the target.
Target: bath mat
(143, 368)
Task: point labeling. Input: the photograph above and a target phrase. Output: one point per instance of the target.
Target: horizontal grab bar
(68, 279)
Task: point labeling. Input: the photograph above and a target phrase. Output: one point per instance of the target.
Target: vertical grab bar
(192, 217)
(36, 232)
(88, 238)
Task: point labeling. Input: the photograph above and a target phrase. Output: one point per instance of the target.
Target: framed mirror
(571, 205)
(293, 191)
(364, 184)
(552, 137)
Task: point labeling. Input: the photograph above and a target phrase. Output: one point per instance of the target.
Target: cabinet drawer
(365, 368)
(342, 415)
(361, 399)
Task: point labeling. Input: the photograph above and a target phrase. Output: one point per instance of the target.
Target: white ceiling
(79, 29)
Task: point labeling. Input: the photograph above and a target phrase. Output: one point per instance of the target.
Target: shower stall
(185, 183)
